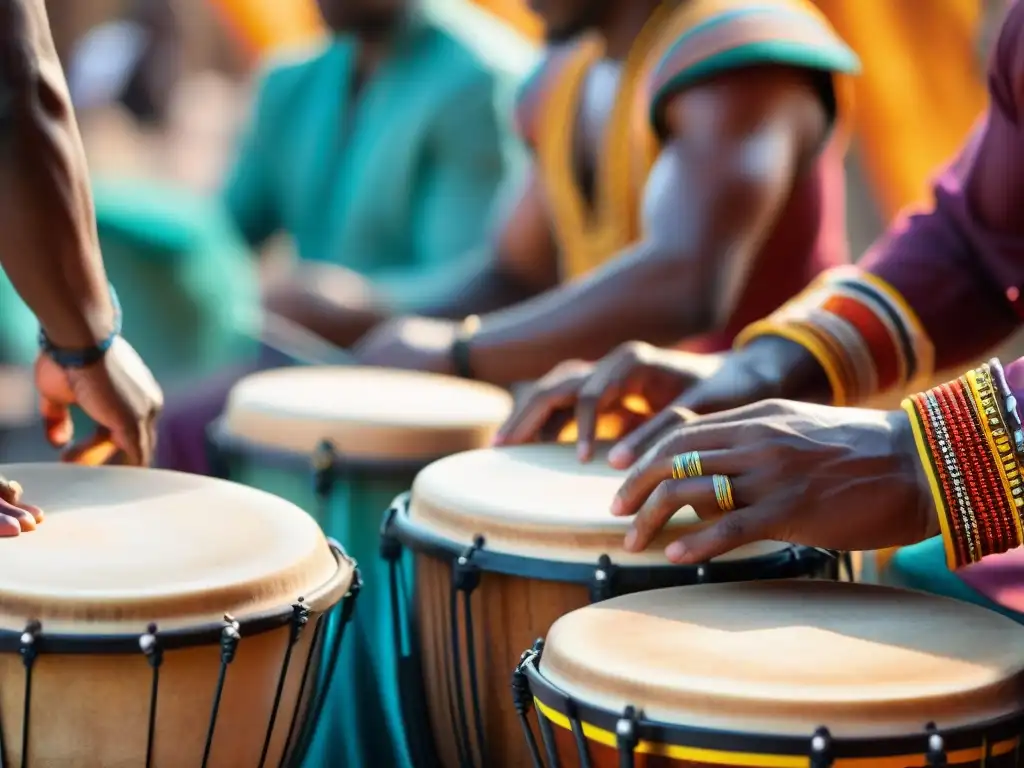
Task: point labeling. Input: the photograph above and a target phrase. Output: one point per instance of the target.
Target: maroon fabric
(181, 444)
(960, 265)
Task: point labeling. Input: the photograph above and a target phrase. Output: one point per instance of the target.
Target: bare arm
(525, 262)
(733, 148)
(50, 250)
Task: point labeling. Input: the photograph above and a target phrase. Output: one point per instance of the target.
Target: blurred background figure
(380, 152)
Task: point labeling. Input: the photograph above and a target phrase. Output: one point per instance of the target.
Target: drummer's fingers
(12, 505)
(532, 413)
(9, 526)
(728, 532)
(656, 464)
(56, 422)
(24, 519)
(669, 497)
(629, 450)
(603, 387)
(625, 452)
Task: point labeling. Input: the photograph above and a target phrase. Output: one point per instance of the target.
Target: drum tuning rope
(149, 644)
(29, 652)
(522, 699)
(229, 637)
(821, 748)
(936, 754)
(465, 579)
(300, 617)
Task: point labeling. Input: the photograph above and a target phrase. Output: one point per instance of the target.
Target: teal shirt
(398, 185)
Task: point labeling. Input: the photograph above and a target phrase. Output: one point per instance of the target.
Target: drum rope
(314, 647)
(462, 723)
(523, 701)
(626, 735)
(149, 644)
(229, 638)
(300, 617)
(344, 616)
(29, 651)
(465, 579)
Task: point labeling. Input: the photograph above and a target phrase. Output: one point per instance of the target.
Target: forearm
(641, 294)
(51, 252)
(969, 445)
(488, 289)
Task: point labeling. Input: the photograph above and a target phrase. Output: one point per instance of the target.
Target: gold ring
(723, 493)
(686, 465)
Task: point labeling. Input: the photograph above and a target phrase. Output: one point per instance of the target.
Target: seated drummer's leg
(181, 442)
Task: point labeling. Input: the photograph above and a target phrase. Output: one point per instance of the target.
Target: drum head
(786, 657)
(538, 501)
(121, 547)
(368, 413)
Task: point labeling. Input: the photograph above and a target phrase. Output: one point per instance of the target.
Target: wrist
(787, 369)
(904, 446)
(461, 363)
(79, 352)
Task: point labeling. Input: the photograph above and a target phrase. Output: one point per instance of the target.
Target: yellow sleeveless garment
(683, 42)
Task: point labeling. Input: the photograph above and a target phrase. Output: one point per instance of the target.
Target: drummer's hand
(15, 515)
(768, 368)
(119, 393)
(636, 370)
(839, 478)
(415, 343)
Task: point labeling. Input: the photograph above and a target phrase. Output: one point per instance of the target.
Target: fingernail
(630, 542)
(618, 456)
(583, 451)
(616, 509)
(675, 552)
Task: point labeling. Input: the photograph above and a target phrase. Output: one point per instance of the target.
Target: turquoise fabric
(397, 186)
(923, 567)
(186, 282)
(361, 724)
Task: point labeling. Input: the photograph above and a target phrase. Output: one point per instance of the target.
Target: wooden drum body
(162, 619)
(775, 675)
(341, 442)
(507, 541)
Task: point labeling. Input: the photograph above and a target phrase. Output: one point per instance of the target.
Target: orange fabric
(920, 90)
(516, 14)
(264, 25)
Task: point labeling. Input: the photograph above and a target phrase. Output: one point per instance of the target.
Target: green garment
(397, 185)
(187, 284)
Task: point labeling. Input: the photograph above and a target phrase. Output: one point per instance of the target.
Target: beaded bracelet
(966, 447)
(1011, 410)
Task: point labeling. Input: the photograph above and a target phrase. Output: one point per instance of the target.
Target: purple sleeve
(960, 265)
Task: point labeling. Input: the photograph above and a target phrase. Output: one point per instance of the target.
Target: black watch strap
(460, 347)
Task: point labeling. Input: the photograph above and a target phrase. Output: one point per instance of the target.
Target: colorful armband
(859, 329)
(967, 443)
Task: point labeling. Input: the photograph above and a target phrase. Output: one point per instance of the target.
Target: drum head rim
(793, 560)
(321, 600)
(713, 745)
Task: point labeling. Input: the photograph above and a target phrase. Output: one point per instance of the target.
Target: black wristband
(80, 358)
(460, 347)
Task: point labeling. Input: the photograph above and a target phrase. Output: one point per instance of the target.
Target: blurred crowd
(225, 186)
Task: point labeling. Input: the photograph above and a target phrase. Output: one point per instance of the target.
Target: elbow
(31, 88)
(689, 293)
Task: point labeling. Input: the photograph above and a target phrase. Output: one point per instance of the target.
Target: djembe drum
(341, 442)
(508, 540)
(163, 619)
(775, 674)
